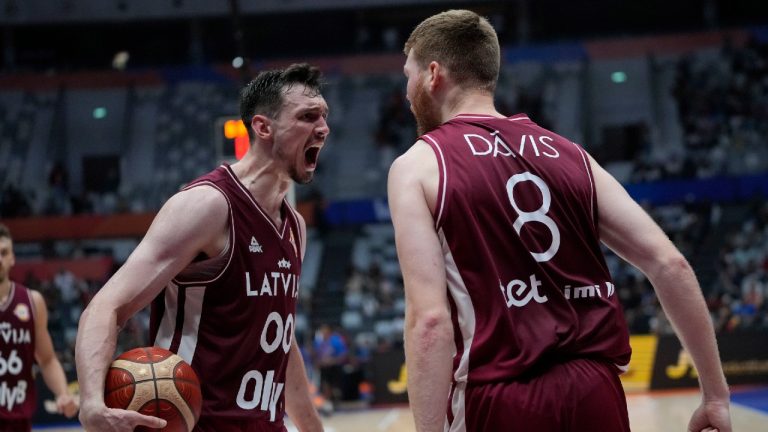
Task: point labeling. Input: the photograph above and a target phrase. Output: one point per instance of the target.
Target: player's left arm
(630, 232)
(298, 401)
(53, 373)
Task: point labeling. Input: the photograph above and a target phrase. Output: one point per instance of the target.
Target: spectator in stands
(723, 108)
(330, 354)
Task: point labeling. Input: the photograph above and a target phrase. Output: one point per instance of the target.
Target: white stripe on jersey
(458, 408)
(193, 309)
(445, 180)
(466, 319)
(168, 322)
(467, 116)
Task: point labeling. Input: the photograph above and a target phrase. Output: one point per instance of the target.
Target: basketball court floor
(648, 412)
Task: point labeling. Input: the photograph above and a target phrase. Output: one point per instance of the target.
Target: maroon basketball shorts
(578, 395)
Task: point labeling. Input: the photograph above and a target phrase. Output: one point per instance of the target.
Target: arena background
(108, 106)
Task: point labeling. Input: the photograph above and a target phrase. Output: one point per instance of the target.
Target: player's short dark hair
(462, 41)
(264, 94)
(5, 232)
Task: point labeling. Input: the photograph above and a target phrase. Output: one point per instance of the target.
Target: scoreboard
(231, 138)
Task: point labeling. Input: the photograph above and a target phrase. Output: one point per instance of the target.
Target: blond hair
(462, 41)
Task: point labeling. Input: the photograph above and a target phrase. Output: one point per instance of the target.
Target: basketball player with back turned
(222, 260)
(512, 314)
(24, 341)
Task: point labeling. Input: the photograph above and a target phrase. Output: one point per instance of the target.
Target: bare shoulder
(302, 226)
(196, 217)
(201, 206)
(416, 173)
(37, 297)
(199, 201)
(416, 163)
(302, 232)
(38, 302)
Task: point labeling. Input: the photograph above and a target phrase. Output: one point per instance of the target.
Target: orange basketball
(155, 382)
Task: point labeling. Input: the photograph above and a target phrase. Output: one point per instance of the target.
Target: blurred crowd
(722, 105)
(738, 302)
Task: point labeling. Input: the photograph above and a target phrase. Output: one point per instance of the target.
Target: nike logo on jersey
(255, 247)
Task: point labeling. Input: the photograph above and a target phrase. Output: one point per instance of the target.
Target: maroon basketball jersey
(17, 355)
(232, 317)
(517, 218)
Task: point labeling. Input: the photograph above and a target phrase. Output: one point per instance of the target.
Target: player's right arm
(192, 221)
(429, 342)
(630, 232)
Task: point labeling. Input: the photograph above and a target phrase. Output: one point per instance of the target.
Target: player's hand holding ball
(149, 389)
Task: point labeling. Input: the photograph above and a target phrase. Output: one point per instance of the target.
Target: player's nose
(322, 129)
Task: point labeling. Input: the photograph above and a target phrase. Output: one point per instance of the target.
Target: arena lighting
(237, 62)
(618, 77)
(120, 60)
(235, 129)
(99, 113)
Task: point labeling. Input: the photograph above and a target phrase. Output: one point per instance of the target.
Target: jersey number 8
(539, 215)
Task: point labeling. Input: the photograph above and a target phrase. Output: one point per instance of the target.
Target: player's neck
(468, 102)
(5, 290)
(267, 184)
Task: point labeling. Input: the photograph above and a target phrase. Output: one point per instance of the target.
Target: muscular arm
(298, 402)
(190, 222)
(628, 230)
(428, 328)
(53, 373)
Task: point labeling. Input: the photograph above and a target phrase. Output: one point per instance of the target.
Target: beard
(424, 110)
(299, 178)
(294, 172)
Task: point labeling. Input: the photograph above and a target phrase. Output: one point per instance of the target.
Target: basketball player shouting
(24, 341)
(222, 260)
(512, 313)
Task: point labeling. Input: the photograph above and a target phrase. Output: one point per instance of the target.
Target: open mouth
(310, 156)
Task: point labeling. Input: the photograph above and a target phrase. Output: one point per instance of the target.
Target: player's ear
(435, 76)
(261, 126)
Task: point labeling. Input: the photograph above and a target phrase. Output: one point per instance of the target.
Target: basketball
(155, 382)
